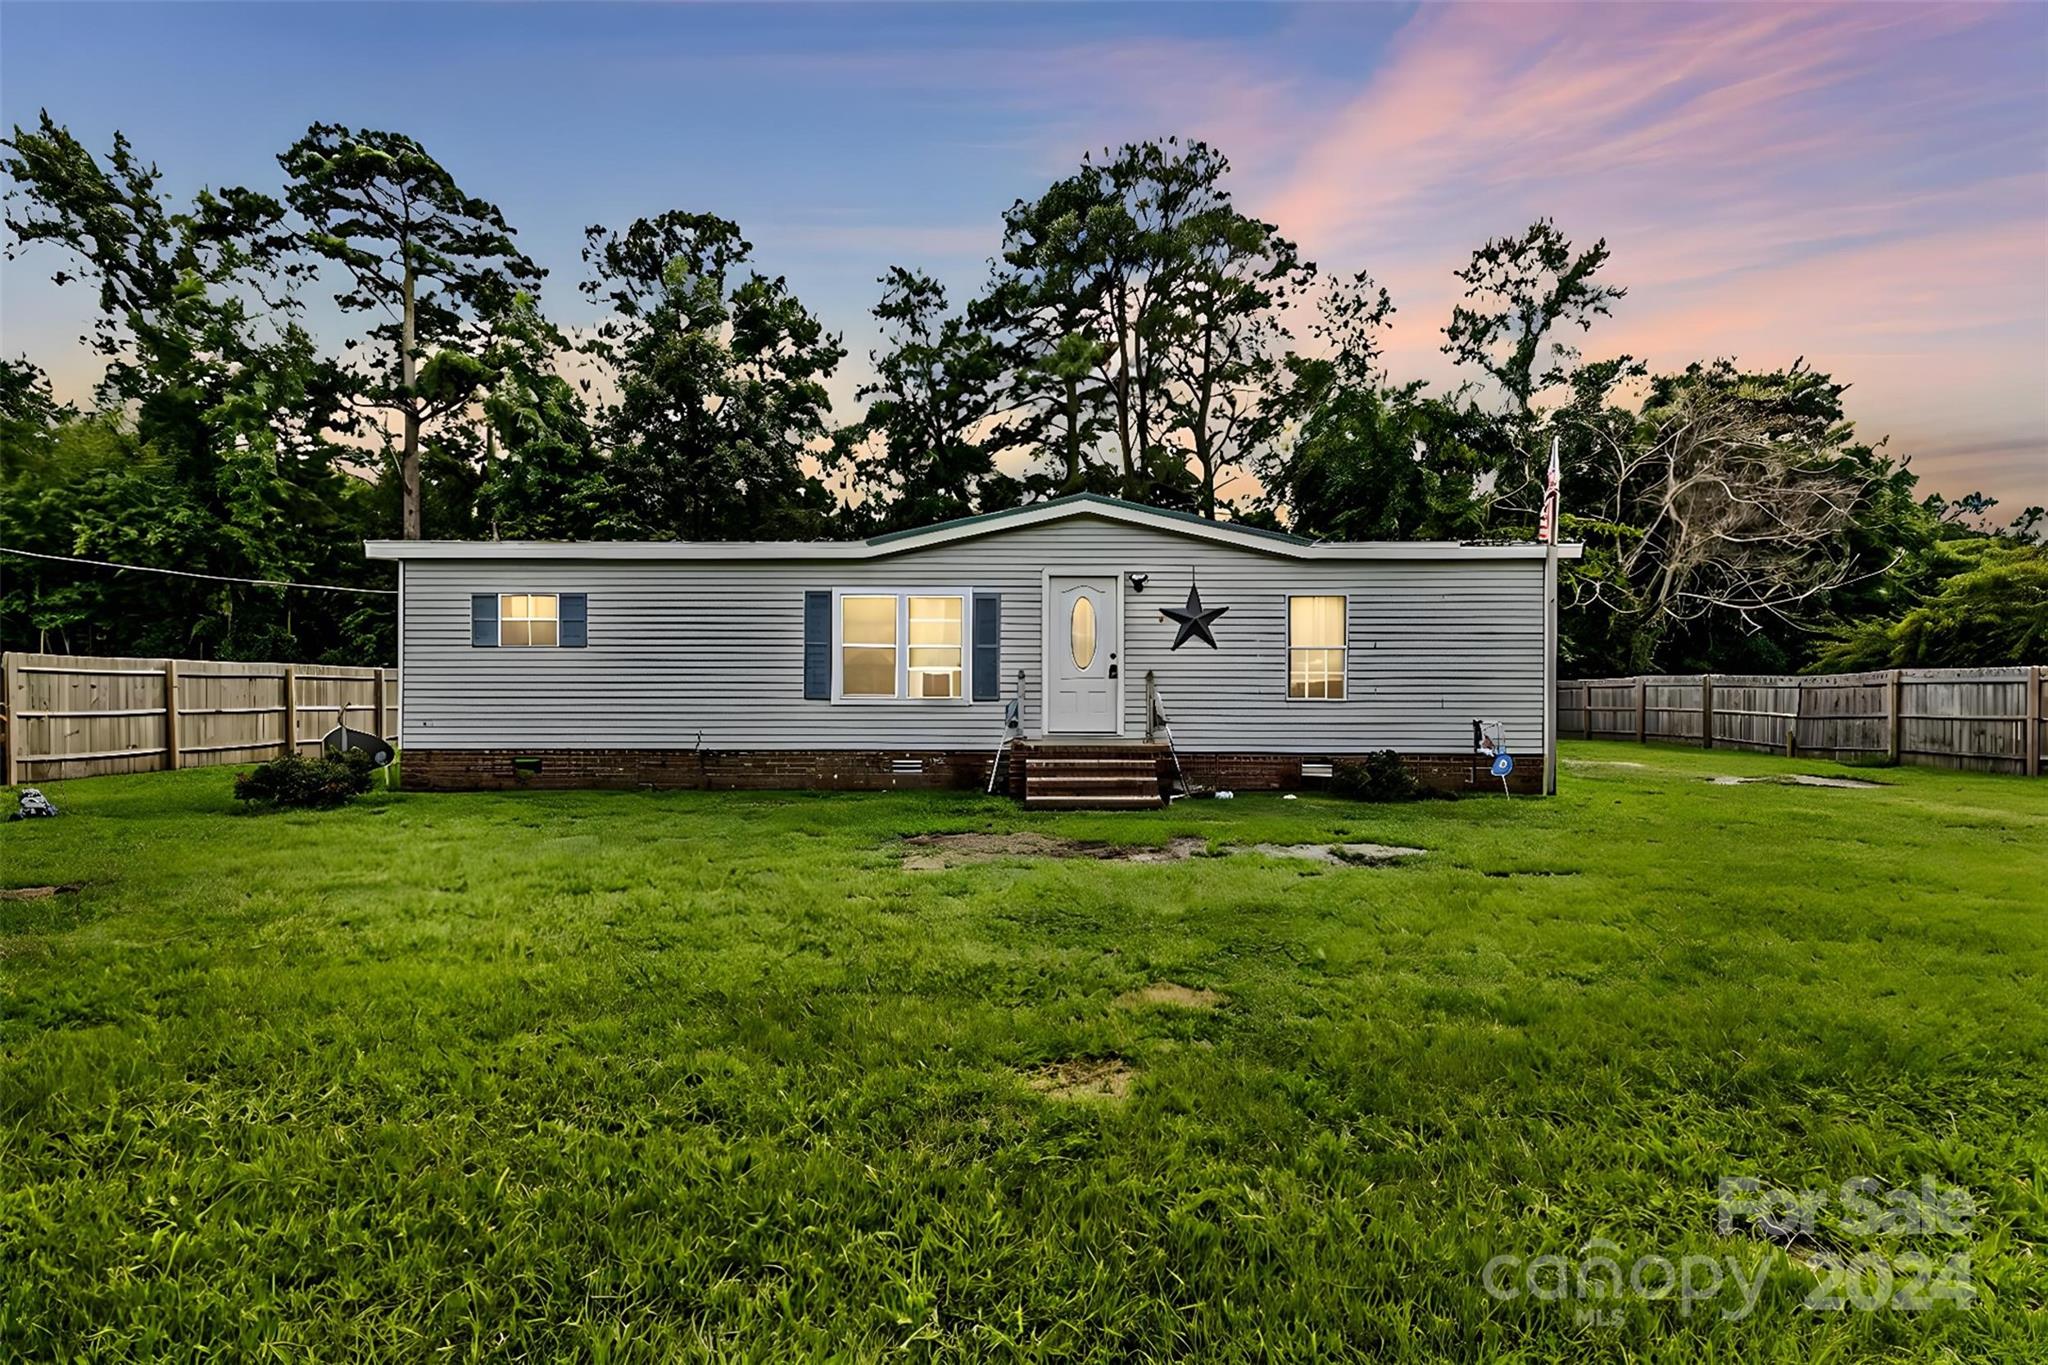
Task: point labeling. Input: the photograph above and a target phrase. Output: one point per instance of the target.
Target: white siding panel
(711, 652)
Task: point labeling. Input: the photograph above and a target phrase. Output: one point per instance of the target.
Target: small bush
(1382, 777)
(313, 783)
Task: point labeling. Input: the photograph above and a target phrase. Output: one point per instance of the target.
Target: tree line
(1138, 334)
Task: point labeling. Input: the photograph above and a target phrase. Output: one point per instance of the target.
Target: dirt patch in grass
(1801, 780)
(36, 893)
(1167, 993)
(1365, 854)
(1083, 1078)
(1534, 872)
(1602, 763)
(937, 852)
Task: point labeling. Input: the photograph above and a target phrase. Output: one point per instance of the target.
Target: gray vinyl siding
(683, 653)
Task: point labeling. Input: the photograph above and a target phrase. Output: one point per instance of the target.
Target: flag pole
(1554, 499)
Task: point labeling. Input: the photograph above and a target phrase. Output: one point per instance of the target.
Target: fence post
(2034, 720)
(1706, 710)
(291, 711)
(377, 703)
(1586, 708)
(1792, 726)
(1642, 711)
(173, 752)
(17, 733)
(1895, 692)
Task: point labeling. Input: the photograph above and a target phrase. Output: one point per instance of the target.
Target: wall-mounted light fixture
(1138, 581)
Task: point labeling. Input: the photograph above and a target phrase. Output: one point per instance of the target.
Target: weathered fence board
(86, 716)
(1982, 719)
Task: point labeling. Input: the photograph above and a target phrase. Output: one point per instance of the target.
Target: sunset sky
(1866, 186)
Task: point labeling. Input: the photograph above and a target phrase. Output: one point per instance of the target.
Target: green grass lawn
(623, 1075)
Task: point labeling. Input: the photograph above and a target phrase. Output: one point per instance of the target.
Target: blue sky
(1865, 186)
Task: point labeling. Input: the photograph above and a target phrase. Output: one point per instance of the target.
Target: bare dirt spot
(1601, 763)
(1167, 993)
(1083, 1078)
(1366, 854)
(1534, 872)
(937, 852)
(1801, 780)
(36, 893)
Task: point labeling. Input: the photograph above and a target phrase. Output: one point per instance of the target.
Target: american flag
(1548, 525)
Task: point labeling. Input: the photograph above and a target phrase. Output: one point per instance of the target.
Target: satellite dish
(341, 738)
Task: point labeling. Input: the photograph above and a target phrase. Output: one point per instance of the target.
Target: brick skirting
(873, 770)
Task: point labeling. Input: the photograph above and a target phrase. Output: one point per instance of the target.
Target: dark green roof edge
(1089, 499)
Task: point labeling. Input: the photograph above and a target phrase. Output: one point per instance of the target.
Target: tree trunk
(408, 372)
(1072, 452)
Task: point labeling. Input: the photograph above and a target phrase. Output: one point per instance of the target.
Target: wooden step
(1095, 801)
(1092, 777)
(1127, 779)
(1054, 761)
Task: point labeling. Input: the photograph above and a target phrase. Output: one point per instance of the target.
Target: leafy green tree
(1734, 515)
(548, 479)
(926, 446)
(721, 383)
(1231, 286)
(1383, 464)
(1522, 294)
(1992, 612)
(1349, 318)
(29, 416)
(213, 444)
(433, 262)
(1360, 459)
(1520, 291)
(1121, 288)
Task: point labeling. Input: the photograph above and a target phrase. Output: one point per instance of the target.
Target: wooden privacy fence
(79, 716)
(1983, 719)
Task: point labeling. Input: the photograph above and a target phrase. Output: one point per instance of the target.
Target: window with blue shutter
(988, 646)
(483, 619)
(575, 620)
(818, 646)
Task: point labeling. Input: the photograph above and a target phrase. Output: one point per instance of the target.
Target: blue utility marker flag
(1503, 764)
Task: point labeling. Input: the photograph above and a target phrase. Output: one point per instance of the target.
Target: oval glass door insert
(1081, 631)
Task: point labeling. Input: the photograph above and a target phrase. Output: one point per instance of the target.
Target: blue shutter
(575, 613)
(988, 646)
(483, 619)
(818, 646)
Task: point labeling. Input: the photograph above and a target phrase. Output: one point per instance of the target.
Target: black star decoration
(1194, 622)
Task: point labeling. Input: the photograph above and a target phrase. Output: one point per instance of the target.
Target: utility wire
(183, 573)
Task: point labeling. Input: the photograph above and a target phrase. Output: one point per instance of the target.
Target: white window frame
(555, 597)
(1288, 648)
(903, 696)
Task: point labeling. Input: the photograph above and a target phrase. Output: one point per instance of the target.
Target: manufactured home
(1075, 638)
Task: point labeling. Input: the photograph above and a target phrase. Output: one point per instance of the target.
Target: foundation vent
(906, 765)
(1318, 770)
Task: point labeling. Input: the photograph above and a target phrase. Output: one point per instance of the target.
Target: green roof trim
(1087, 500)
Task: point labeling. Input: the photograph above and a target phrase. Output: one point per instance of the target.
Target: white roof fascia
(772, 550)
(742, 550)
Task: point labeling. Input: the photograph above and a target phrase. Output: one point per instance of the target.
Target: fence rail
(85, 716)
(1982, 719)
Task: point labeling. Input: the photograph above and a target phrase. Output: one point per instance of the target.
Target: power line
(183, 573)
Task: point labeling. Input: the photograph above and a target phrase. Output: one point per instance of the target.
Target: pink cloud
(1774, 182)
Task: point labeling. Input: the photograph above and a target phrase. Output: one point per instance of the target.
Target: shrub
(1382, 777)
(315, 783)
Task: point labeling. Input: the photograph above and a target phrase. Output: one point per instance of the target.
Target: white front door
(1083, 637)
